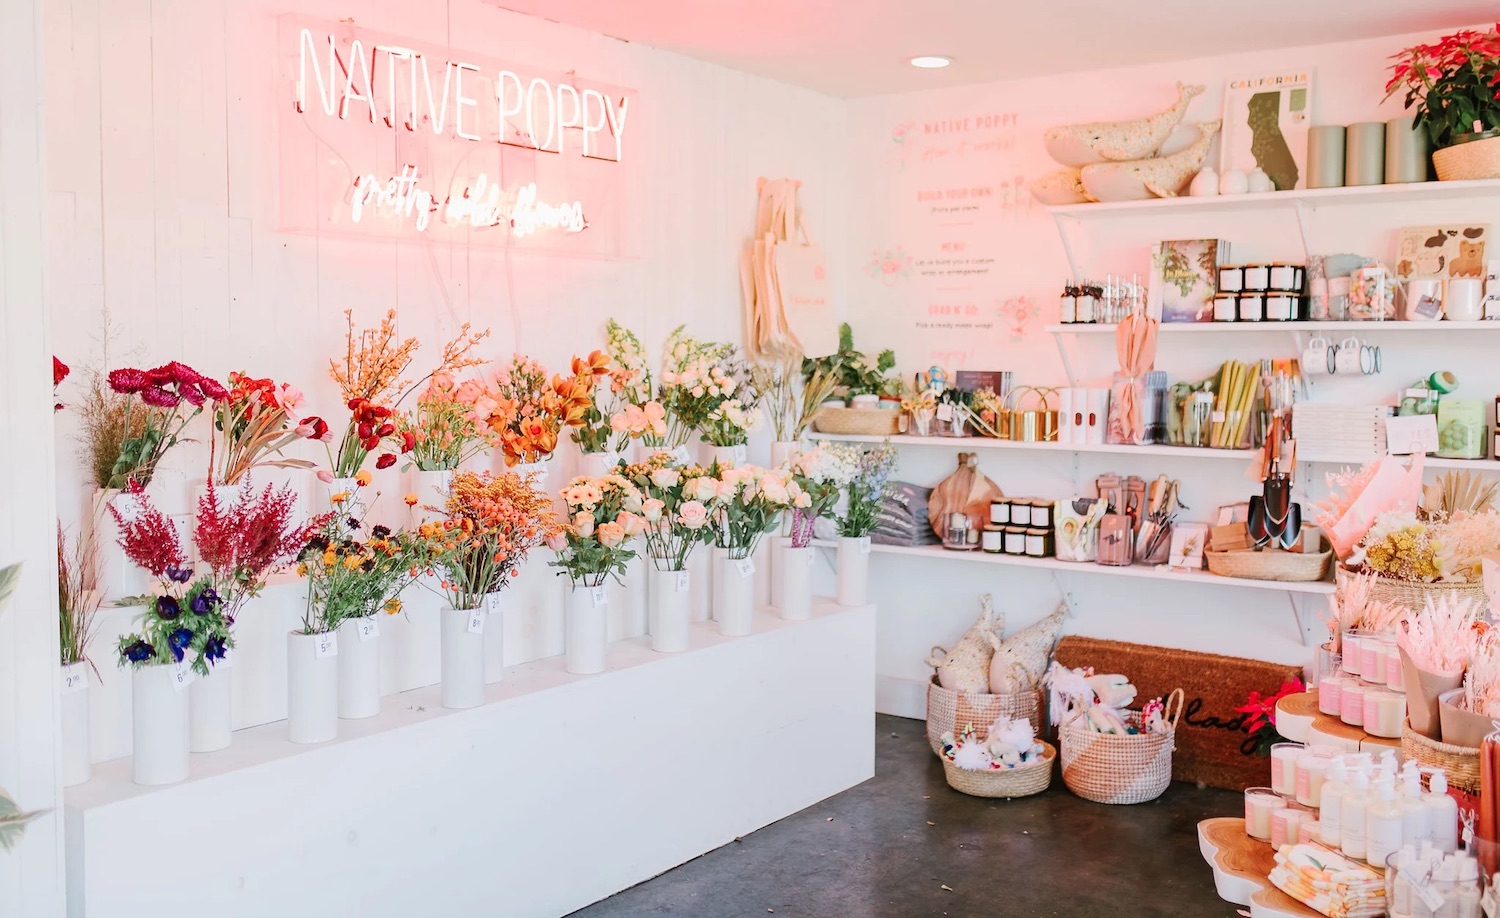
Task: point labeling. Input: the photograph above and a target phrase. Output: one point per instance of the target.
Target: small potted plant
(1453, 86)
(869, 485)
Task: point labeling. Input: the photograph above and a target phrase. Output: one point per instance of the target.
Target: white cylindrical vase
(431, 488)
(528, 468)
(210, 710)
(76, 768)
(782, 452)
(734, 592)
(700, 565)
(794, 582)
(115, 575)
(312, 686)
(671, 610)
(773, 548)
(628, 602)
(359, 668)
(325, 491)
(587, 629)
(597, 465)
(462, 639)
(159, 726)
(716, 558)
(854, 570)
(495, 605)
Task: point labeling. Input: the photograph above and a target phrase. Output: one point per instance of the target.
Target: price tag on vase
(369, 629)
(183, 676)
(945, 412)
(598, 596)
(326, 645)
(864, 547)
(741, 454)
(682, 455)
(74, 679)
(746, 566)
(682, 581)
(492, 603)
(476, 621)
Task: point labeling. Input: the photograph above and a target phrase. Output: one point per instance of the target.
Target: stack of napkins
(1329, 883)
(1339, 433)
(903, 518)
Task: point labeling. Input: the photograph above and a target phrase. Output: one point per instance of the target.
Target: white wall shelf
(1314, 198)
(985, 443)
(1139, 572)
(1250, 328)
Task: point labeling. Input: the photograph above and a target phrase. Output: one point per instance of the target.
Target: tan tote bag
(803, 290)
(766, 336)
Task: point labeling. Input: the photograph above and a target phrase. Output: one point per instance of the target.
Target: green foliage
(853, 374)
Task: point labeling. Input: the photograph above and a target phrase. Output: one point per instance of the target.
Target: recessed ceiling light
(931, 62)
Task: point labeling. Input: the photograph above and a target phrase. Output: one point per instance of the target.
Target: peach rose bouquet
(676, 505)
(603, 515)
(749, 504)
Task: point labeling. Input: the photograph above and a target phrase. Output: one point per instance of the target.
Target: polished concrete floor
(904, 844)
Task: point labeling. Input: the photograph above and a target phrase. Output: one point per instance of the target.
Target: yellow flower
(363, 477)
(392, 605)
(340, 497)
(330, 557)
(411, 499)
(352, 563)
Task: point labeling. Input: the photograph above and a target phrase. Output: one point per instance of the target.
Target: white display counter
(559, 791)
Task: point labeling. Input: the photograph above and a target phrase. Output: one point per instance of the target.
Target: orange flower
(339, 498)
(363, 477)
(411, 499)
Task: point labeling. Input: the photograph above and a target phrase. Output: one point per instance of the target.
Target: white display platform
(558, 792)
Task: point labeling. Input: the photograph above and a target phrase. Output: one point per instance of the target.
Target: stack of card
(1339, 433)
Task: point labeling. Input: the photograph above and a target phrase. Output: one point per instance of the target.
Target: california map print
(1265, 126)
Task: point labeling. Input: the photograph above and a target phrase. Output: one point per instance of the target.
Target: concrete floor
(904, 844)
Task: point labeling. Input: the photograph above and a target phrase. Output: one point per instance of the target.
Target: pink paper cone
(1422, 691)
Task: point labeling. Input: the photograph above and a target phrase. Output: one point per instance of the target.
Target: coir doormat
(1212, 746)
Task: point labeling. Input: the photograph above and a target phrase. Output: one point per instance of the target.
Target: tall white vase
(115, 576)
(734, 590)
(527, 468)
(75, 724)
(782, 452)
(495, 605)
(431, 488)
(628, 602)
(730, 456)
(359, 668)
(794, 582)
(671, 610)
(159, 725)
(587, 629)
(854, 570)
(211, 710)
(312, 686)
(324, 491)
(462, 637)
(716, 558)
(700, 564)
(773, 546)
(596, 465)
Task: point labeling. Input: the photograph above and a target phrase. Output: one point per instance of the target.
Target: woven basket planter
(1477, 159)
(1022, 781)
(950, 712)
(1414, 595)
(1460, 763)
(872, 422)
(1270, 564)
(1114, 769)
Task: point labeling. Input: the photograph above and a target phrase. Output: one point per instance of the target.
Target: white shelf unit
(1138, 572)
(987, 443)
(1314, 197)
(1281, 328)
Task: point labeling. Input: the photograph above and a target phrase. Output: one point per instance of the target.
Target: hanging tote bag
(801, 275)
(766, 336)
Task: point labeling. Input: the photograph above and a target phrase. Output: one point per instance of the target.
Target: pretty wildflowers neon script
(390, 137)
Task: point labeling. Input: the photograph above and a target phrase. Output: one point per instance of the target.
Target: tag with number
(741, 454)
(369, 629)
(1218, 417)
(476, 621)
(326, 645)
(681, 456)
(74, 679)
(182, 676)
(746, 566)
(864, 547)
(598, 597)
(682, 581)
(492, 603)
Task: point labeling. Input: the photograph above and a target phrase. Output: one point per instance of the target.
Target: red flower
(355, 404)
(158, 397)
(385, 461)
(385, 430)
(408, 441)
(60, 370)
(213, 389)
(127, 381)
(318, 425)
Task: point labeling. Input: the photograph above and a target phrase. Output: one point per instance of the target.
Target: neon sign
(483, 205)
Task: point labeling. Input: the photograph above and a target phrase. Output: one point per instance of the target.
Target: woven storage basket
(1022, 781)
(1271, 564)
(1108, 768)
(868, 421)
(1460, 763)
(1477, 159)
(1414, 595)
(950, 712)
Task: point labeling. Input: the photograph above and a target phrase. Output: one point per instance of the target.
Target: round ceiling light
(931, 62)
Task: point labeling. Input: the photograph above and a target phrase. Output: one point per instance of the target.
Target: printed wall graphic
(889, 266)
(1265, 125)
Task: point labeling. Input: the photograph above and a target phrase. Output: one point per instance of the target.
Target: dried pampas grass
(1444, 635)
(1352, 609)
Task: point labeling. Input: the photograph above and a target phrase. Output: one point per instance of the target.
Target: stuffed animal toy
(1114, 690)
(1105, 719)
(966, 668)
(1070, 691)
(1020, 661)
(1153, 717)
(972, 756)
(1010, 741)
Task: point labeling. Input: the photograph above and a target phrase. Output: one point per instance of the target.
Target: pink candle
(1329, 689)
(1284, 768)
(1384, 711)
(1260, 803)
(1285, 825)
(1352, 705)
(1371, 660)
(1352, 642)
(1307, 831)
(1393, 675)
(1312, 768)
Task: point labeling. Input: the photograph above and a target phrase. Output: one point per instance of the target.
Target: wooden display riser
(1241, 865)
(1299, 720)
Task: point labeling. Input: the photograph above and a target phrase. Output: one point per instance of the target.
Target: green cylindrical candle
(1364, 154)
(1406, 152)
(1325, 156)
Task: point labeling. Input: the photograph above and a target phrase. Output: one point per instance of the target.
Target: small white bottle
(1406, 864)
(1383, 825)
(1334, 788)
(1413, 812)
(1353, 812)
(1468, 888)
(1442, 814)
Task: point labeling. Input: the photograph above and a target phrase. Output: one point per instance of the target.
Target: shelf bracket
(1062, 352)
(1065, 595)
(1304, 227)
(1063, 233)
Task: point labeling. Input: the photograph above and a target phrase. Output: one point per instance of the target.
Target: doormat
(1212, 746)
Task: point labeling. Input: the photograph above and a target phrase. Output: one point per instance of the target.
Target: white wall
(31, 876)
(990, 137)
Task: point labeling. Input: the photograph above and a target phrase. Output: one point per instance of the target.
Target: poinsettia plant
(158, 404)
(1260, 716)
(1453, 84)
(254, 424)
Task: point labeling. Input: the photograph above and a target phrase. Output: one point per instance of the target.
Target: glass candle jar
(1252, 307)
(1372, 660)
(1312, 768)
(1287, 277)
(1041, 514)
(1284, 767)
(1038, 543)
(1226, 307)
(1260, 803)
(1352, 704)
(1015, 540)
(1329, 689)
(1384, 712)
(1307, 829)
(1394, 678)
(1020, 512)
(1285, 825)
(1116, 540)
(1000, 512)
(1281, 307)
(993, 540)
(1257, 278)
(1231, 278)
(1351, 644)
